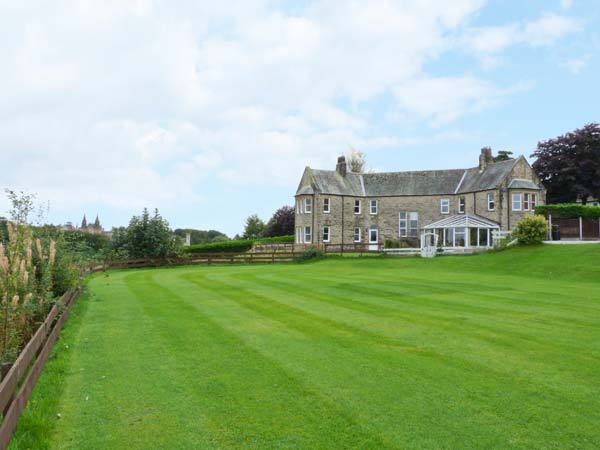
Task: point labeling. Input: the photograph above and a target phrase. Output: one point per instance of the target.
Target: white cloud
(543, 31)
(127, 104)
(566, 4)
(443, 100)
(576, 65)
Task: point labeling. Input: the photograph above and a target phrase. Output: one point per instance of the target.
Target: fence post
(580, 228)
(550, 226)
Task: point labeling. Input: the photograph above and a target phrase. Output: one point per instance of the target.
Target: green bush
(238, 246)
(531, 230)
(569, 211)
(288, 239)
(391, 243)
(311, 252)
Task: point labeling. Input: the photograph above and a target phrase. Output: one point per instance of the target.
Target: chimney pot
(486, 158)
(342, 166)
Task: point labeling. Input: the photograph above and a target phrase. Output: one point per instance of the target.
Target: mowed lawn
(492, 351)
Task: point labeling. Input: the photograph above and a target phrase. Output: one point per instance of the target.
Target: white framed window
(373, 207)
(445, 206)
(357, 234)
(462, 203)
(373, 234)
(517, 200)
(326, 236)
(298, 235)
(534, 201)
(403, 224)
(526, 201)
(414, 223)
(307, 235)
(308, 205)
(326, 205)
(356, 206)
(491, 201)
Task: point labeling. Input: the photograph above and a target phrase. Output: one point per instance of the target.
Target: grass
(499, 350)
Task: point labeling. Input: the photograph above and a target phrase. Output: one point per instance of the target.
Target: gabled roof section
(463, 221)
(331, 182)
(490, 178)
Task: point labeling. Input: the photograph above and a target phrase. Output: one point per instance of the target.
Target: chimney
(485, 159)
(341, 167)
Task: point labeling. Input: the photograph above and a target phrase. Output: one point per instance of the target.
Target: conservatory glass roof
(463, 221)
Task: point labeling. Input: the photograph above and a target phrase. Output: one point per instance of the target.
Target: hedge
(569, 211)
(239, 246)
(288, 239)
(221, 247)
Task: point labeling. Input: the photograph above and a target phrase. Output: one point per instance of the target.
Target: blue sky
(210, 112)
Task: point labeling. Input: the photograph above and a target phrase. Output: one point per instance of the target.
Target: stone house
(460, 206)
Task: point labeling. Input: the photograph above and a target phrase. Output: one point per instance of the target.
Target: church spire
(84, 222)
(97, 222)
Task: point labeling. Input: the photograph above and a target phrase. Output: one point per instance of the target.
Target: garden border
(13, 394)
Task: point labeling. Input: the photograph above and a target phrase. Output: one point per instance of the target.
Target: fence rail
(19, 381)
(279, 253)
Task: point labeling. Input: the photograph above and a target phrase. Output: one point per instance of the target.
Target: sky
(209, 111)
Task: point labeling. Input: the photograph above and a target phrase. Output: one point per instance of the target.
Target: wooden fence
(577, 228)
(18, 383)
(280, 253)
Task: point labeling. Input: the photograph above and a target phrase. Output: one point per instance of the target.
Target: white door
(373, 239)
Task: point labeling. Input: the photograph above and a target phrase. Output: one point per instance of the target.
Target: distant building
(94, 228)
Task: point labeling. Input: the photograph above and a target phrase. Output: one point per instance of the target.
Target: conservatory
(460, 231)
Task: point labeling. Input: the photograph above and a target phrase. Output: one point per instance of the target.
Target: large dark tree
(282, 222)
(569, 165)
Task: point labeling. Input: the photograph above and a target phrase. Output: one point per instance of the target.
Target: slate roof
(428, 182)
(519, 183)
(331, 182)
(491, 177)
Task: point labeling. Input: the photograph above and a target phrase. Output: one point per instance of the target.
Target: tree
(569, 165)
(254, 228)
(282, 222)
(356, 161)
(503, 155)
(146, 236)
(201, 236)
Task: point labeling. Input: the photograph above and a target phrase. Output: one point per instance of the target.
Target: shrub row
(287, 239)
(569, 211)
(238, 246)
